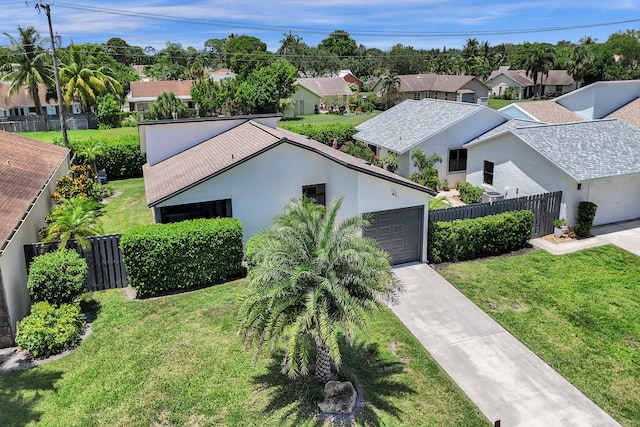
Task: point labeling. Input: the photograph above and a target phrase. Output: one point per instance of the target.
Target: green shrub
(465, 239)
(50, 329)
(470, 193)
(121, 158)
(253, 248)
(584, 219)
(57, 277)
(325, 133)
(182, 255)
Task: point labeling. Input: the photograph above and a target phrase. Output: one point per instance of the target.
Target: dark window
(488, 173)
(416, 96)
(315, 192)
(558, 88)
(458, 160)
(212, 209)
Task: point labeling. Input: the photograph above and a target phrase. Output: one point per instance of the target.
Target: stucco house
(437, 86)
(20, 104)
(554, 83)
(601, 100)
(143, 93)
(595, 160)
(247, 168)
(433, 126)
(29, 170)
(312, 94)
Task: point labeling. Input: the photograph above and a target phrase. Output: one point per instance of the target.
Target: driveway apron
(506, 380)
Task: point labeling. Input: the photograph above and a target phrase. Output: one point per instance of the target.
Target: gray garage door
(399, 232)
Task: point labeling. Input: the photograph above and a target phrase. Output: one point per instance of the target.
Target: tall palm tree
(580, 60)
(538, 63)
(76, 218)
(311, 280)
(390, 86)
(29, 64)
(83, 77)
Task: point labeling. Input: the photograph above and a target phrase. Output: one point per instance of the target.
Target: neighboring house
(614, 99)
(247, 168)
(221, 74)
(433, 126)
(315, 94)
(596, 161)
(348, 77)
(20, 105)
(29, 170)
(554, 83)
(437, 86)
(142, 94)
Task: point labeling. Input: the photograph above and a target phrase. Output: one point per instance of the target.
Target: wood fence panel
(545, 208)
(106, 270)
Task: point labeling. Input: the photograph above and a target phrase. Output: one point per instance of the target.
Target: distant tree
(427, 174)
(586, 40)
(108, 111)
(28, 64)
(339, 43)
(215, 52)
(579, 62)
(401, 59)
(627, 46)
(390, 86)
(167, 106)
(538, 62)
(245, 54)
(263, 89)
(212, 97)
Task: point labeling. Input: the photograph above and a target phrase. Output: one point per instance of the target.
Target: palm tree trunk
(323, 363)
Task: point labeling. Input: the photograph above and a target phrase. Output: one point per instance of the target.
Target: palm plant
(29, 65)
(311, 280)
(167, 106)
(538, 63)
(83, 77)
(390, 86)
(77, 218)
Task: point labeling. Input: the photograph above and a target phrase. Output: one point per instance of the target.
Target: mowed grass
(127, 208)
(354, 119)
(81, 135)
(176, 360)
(496, 103)
(579, 312)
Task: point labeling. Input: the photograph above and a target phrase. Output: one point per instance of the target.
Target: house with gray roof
(248, 168)
(433, 126)
(318, 93)
(552, 83)
(595, 160)
(437, 86)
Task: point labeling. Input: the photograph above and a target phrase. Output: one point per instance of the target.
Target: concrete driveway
(625, 235)
(506, 380)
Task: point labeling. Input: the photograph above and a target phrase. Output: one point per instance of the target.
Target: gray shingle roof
(504, 127)
(411, 122)
(587, 150)
(223, 152)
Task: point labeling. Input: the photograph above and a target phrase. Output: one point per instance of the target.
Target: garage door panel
(399, 232)
(618, 199)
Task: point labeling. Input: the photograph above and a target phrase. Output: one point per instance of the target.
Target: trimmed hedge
(57, 277)
(182, 255)
(465, 239)
(122, 157)
(50, 329)
(470, 193)
(584, 219)
(325, 133)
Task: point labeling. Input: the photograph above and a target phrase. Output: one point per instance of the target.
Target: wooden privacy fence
(106, 268)
(545, 208)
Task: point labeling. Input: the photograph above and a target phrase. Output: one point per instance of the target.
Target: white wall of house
(305, 102)
(454, 137)
(500, 83)
(159, 142)
(256, 201)
(618, 198)
(598, 100)
(12, 263)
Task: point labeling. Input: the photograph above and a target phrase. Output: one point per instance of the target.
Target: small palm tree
(167, 106)
(91, 152)
(312, 280)
(390, 86)
(76, 218)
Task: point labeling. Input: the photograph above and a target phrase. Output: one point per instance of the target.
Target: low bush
(470, 193)
(121, 157)
(584, 219)
(182, 255)
(465, 239)
(325, 133)
(57, 277)
(50, 329)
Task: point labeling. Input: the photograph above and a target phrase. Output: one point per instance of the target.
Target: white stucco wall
(12, 264)
(501, 82)
(309, 101)
(161, 141)
(598, 100)
(261, 187)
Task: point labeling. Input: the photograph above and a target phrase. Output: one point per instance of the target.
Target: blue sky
(374, 23)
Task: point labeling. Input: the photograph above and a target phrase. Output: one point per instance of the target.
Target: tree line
(90, 70)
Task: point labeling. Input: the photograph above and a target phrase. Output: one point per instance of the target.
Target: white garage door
(399, 232)
(618, 198)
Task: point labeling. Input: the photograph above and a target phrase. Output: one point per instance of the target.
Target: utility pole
(61, 106)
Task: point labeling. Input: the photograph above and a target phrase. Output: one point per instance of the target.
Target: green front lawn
(81, 135)
(579, 312)
(496, 103)
(354, 119)
(127, 208)
(176, 360)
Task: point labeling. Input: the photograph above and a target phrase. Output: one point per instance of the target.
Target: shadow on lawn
(370, 373)
(20, 392)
